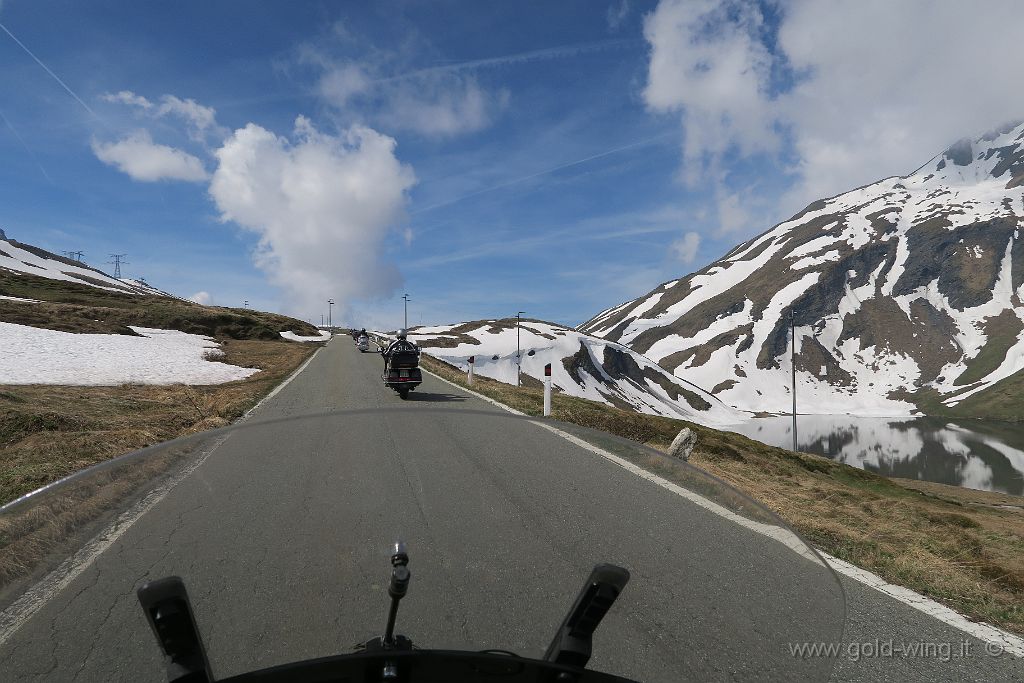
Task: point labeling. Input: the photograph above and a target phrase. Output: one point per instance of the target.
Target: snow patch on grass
(38, 356)
(291, 336)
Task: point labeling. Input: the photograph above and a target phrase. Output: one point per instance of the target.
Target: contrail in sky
(517, 58)
(556, 52)
(25, 145)
(524, 178)
(47, 69)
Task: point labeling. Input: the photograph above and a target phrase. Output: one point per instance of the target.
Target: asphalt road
(282, 537)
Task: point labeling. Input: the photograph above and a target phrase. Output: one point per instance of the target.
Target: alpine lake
(977, 454)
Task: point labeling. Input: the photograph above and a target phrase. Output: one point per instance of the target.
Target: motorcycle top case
(404, 360)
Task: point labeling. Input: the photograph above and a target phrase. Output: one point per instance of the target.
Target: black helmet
(402, 334)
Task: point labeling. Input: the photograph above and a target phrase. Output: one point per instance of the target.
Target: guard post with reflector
(547, 390)
(469, 375)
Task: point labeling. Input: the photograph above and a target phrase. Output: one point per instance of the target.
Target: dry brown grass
(36, 538)
(960, 547)
(49, 432)
(71, 307)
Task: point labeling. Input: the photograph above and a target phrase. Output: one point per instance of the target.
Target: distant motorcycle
(363, 343)
(402, 370)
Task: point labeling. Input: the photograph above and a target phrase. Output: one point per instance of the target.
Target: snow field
(33, 355)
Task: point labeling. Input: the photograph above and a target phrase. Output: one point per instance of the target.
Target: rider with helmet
(401, 365)
(402, 343)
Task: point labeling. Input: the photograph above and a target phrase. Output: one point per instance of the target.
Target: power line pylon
(117, 262)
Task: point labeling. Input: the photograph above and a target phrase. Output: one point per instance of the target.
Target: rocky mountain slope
(581, 365)
(905, 294)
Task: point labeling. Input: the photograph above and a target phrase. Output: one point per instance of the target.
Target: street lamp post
(519, 363)
(330, 308)
(406, 299)
(792, 362)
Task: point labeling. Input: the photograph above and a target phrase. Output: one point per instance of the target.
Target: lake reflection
(976, 454)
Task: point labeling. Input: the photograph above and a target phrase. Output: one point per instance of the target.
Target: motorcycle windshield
(282, 533)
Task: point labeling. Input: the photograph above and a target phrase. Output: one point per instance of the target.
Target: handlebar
(391, 657)
(424, 666)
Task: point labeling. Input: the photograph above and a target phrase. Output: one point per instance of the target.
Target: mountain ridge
(41, 289)
(920, 272)
(582, 366)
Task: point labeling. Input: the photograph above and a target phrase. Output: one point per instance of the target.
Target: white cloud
(893, 84)
(880, 87)
(391, 88)
(685, 248)
(442, 105)
(617, 14)
(438, 103)
(322, 206)
(127, 97)
(142, 159)
(707, 63)
(733, 215)
(203, 298)
(343, 82)
(201, 120)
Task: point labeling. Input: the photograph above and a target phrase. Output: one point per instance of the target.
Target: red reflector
(547, 370)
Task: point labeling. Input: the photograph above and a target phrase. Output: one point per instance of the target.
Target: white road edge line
(281, 386)
(991, 635)
(22, 609)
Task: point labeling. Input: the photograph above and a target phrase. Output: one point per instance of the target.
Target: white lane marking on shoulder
(22, 609)
(30, 602)
(282, 385)
(479, 396)
(1007, 642)
(784, 536)
(997, 637)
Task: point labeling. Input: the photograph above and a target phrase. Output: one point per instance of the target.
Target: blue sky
(486, 157)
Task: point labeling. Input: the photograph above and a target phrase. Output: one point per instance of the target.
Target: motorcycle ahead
(402, 371)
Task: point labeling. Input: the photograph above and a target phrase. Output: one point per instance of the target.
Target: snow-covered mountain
(906, 288)
(581, 365)
(18, 257)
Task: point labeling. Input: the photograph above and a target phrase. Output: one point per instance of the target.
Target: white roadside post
(469, 375)
(547, 390)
